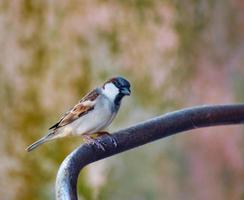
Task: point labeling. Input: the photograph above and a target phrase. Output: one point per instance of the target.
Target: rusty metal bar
(140, 134)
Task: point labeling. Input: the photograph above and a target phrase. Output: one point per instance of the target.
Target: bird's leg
(91, 140)
(112, 139)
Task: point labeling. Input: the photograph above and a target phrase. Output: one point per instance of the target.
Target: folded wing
(85, 105)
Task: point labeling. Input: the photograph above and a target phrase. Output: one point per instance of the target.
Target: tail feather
(39, 142)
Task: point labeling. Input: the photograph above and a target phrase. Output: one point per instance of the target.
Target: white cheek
(111, 91)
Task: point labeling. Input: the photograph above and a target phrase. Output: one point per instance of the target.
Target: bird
(91, 115)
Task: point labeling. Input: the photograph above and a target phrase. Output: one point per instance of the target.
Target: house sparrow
(92, 114)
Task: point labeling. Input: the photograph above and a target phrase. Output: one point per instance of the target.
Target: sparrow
(92, 114)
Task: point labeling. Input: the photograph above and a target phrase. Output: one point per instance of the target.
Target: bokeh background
(176, 53)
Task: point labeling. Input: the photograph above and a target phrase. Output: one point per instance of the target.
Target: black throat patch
(118, 99)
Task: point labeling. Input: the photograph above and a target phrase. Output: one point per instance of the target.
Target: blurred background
(176, 54)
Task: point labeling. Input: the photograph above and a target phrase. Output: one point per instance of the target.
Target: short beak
(126, 91)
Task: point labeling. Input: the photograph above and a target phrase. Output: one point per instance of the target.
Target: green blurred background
(176, 54)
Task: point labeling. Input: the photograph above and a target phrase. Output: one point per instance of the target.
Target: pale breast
(97, 119)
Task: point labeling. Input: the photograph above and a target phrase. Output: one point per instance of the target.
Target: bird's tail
(40, 141)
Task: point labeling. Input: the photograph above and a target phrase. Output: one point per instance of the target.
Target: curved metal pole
(140, 134)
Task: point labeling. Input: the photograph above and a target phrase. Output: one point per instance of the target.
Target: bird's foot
(90, 140)
(111, 138)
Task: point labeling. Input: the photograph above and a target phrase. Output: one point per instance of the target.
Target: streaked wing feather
(91, 96)
(78, 111)
(64, 115)
(85, 105)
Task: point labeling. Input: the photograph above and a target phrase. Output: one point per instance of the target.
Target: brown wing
(91, 96)
(85, 105)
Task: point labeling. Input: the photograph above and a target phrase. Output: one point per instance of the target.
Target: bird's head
(116, 88)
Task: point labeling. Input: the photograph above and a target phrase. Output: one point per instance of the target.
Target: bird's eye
(118, 84)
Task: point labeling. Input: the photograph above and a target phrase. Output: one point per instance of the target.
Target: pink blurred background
(175, 53)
